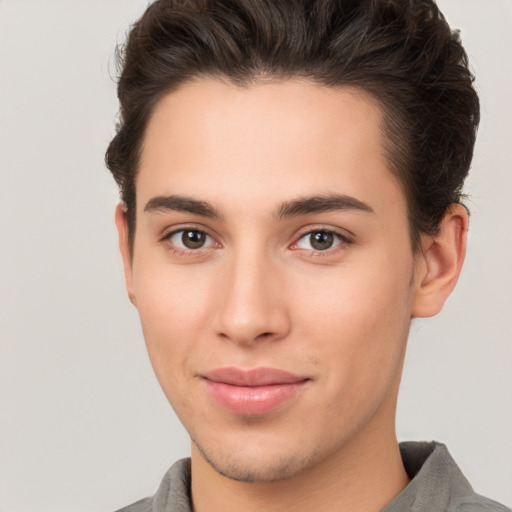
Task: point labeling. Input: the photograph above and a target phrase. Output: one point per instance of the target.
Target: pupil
(193, 239)
(322, 240)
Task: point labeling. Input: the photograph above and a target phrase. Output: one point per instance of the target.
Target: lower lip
(254, 400)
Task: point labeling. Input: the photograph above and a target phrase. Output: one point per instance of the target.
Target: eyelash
(166, 239)
(343, 241)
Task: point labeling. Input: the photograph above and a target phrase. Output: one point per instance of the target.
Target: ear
(439, 263)
(126, 253)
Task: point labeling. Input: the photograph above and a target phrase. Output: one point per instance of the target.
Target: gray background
(83, 423)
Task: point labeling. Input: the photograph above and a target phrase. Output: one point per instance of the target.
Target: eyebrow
(182, 204)
(294, 208)
(320, 204)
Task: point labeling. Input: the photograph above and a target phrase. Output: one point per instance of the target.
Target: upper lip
(252, 377)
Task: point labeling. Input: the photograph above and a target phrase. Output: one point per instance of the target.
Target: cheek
(352, 303)
(169, 296)
(361, 322)
(173, 308)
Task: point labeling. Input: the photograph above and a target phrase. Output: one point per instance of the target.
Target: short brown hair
(402, 52)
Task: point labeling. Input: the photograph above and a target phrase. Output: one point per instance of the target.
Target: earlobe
(125, 249)
(440, 263)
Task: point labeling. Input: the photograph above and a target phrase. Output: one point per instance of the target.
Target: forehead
(273, 140)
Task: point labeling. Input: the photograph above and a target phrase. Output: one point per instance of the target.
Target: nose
(252, 302)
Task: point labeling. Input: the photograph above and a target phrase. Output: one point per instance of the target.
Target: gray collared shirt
(437, 485)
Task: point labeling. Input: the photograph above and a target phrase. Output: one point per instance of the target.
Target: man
(291, 177)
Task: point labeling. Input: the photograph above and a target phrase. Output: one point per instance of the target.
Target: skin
(259, 294)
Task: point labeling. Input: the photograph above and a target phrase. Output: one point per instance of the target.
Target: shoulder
(144, 505)
(437, 484)
(173, 493)
(477, 503)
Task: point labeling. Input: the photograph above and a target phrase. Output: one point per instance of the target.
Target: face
(273, 272)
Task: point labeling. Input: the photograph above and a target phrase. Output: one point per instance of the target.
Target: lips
(252, 392)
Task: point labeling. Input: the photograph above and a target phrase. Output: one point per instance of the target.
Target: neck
(364, 476)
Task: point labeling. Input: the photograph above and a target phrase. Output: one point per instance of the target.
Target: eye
(320, 240)
(190, 239)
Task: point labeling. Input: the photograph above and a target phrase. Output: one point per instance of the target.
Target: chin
(244, 467)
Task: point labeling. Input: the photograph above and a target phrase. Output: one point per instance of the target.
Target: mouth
(253, 392)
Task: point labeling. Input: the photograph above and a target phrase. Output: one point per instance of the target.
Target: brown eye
(321, 240)
(190, 239)
(193, 239)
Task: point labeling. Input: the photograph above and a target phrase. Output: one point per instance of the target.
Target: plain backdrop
(83, 423)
